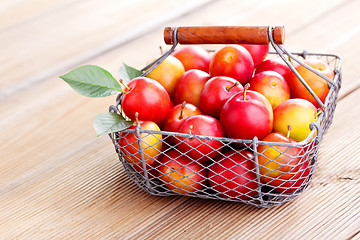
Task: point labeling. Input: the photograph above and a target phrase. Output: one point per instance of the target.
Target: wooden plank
(75, 44)
(17, 13)
(144, 52)
(336, 37)
(52, 92)
(51, 153)
(65, 37)
(86, 190)
(82, 202)
(84, 182)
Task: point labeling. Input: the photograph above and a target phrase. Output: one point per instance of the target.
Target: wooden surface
(59, 181)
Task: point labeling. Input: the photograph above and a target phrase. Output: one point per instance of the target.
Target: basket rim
(316, 128)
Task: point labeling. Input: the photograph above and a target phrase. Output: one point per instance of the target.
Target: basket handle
(223, 35)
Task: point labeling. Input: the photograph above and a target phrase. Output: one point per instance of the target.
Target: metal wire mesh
(163, 163)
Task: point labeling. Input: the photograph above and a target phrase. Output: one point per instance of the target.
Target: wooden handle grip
(224, 35)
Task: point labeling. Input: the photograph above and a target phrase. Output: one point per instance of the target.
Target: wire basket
(220, 172)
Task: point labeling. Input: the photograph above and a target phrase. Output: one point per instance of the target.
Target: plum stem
(228, 88)
(182, 110)
(246, 87)
(190, 129)
(289, 130)
(126, 86)
(137, 118)
(161, 50)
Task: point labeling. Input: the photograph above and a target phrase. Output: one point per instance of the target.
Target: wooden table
(59, 181)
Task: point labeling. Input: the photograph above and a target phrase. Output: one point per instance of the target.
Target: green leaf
(126, 73)
(92, 81)
(106, 123)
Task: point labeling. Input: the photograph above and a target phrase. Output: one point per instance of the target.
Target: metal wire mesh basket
(221, 172)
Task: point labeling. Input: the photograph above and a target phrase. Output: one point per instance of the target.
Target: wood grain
(58, 181)
(223, 35)
(76, 36)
